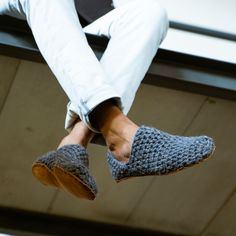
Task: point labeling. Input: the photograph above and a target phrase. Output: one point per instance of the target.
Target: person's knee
(154, 12)
(155, 17)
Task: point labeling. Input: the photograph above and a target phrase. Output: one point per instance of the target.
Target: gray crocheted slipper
(66, 167)
(72, 172)
(42, 169)
(158, 153)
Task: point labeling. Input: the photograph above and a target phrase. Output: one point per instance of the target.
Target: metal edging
(202, 30)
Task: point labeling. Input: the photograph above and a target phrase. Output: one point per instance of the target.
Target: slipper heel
(73, 184)
(67, 168)
(44, 175)
(72, 172)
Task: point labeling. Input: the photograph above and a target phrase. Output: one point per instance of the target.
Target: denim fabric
(136, 29)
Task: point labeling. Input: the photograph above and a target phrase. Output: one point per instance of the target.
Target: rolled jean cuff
(86, 118)
(82, 111)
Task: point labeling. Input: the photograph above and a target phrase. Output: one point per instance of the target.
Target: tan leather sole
(73, 184)
(44, 175)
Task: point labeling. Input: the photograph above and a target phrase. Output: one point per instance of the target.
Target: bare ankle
(80, 134)
(119, 141)
(117, 129)
(120, 149)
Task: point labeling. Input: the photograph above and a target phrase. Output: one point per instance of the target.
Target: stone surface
(31, 123)
(8, 69)
(224, 223)
(185, 202)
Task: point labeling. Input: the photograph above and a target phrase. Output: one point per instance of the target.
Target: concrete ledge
(169, 68)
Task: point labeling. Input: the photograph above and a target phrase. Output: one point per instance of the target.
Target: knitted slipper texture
(155, 152)
(47, 159)
(42, 169)
(74, 160)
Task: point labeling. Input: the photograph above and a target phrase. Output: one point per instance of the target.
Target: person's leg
(136, 30)
(126, 61)
(80, 134)
(117, 129)
(62, 42)
(106, 116)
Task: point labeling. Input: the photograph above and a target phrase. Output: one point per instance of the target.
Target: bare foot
(80, 134)
(117, 129)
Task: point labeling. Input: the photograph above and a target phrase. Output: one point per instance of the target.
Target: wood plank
(184, 203)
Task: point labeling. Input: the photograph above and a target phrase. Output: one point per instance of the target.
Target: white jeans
(135, 29)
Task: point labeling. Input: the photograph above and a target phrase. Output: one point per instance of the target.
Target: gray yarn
(47, 159)
(155, 152)
(73, 153)
(73, 159)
